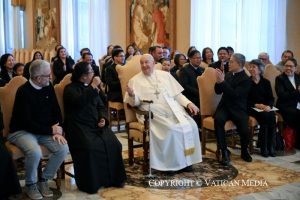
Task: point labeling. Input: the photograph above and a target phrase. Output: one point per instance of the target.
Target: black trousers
(240, 119)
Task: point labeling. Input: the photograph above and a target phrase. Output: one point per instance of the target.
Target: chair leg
(118, 120)
(58, 179)
(251, 140)
(109, 117)
(62, 171)
(146, 158)
(130, 151)
(203, 142)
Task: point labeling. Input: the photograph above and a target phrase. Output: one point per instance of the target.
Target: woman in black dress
(261, 97)
(95, 150)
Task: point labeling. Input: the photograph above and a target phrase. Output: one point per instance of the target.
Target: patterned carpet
(204, 174)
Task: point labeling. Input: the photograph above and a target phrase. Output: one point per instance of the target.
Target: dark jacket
(235, 91)
(188, 79)
(288, 96)
(114, 92)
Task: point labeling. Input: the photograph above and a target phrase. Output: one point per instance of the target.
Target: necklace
(155, 86)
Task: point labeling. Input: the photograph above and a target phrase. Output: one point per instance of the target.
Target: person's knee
(63, 150)
(34, 153)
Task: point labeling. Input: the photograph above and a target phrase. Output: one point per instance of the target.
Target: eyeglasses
(45, 76)
(291, 66)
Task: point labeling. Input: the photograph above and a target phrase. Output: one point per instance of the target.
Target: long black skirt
(101, 166)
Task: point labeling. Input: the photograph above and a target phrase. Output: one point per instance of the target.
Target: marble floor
(264, 178)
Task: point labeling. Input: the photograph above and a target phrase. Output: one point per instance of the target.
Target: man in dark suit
(188, 79)
(287, 86)
(114, 92)
(235, 87)
(223, 57)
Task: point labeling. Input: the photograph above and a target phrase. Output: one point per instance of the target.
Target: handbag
(289, 136)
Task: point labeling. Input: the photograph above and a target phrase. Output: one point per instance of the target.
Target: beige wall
(293, 28)
(117, 24)
(28, 22)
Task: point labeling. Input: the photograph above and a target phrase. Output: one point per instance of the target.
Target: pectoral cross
(156, 93)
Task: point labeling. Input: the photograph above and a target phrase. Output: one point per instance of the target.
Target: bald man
(175, 143)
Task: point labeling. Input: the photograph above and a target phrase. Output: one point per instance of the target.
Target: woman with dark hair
(36, 56)
(62, 66)
(261, 97)
(18, 69)
(287, 86)
(7, 63)
(179, 61)
(95, 150)
(207, 57)
(129, 52)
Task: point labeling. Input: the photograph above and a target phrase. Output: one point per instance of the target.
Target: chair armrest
(140, 112)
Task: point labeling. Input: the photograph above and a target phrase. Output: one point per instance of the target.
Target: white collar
(34, 85)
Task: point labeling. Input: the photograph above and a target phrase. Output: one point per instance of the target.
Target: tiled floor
(279, 179)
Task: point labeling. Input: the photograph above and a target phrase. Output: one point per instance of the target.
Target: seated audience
(109, 61)
(95, 150)
(55, 57)
(179, 61)
(265, 58)
(234, 88)
(287, 86)
(36, 120)
(114, 92)
(62, 66)
(88, 57)
(284, 56)
(166, 52)
(36, 56)
(83, 51)
(261, 97)
(129, 52)
(166, 64)
(156, 52)
(7, 63)
(230, 51)
(9, 182)
(222, 63)
(174, 132)
(18, 69)
(208, 57)
(188, 77)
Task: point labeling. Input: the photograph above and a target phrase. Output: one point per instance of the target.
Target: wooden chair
(136, 131)
(59, 91)
(115, 108)
(271, 73)
(7, 98)
(209, 101)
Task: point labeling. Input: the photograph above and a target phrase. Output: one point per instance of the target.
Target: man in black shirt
(235, 87)
(36, 121)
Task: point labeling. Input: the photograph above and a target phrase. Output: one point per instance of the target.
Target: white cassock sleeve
(182, 100)
(133, 101)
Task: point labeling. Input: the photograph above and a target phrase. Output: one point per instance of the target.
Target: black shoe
(246, 156)
(264, 154)
(225, 157)
(272, 154)
(186, 169)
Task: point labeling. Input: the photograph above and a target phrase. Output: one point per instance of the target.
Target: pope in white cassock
(175, 142)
